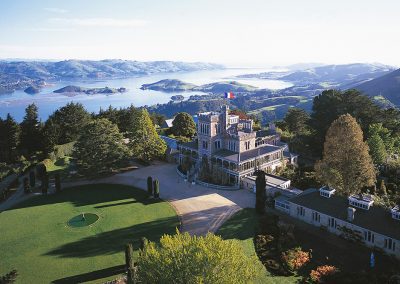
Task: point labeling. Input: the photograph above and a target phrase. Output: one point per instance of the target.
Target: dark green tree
(31, 138)
(261, 196)
(51, 133)
(9, 139)
(296, 120)
(100, 148)
(150, 185)
(183, 125)
(45, 184)
(71, 119)
(156, 184)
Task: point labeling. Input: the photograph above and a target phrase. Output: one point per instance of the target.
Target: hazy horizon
(252, 33)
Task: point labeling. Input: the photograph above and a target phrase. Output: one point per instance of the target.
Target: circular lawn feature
(36, 239)
(83, 220)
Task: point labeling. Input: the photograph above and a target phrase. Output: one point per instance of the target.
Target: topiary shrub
(58, 182)
(26, 185)
(45, 184)
(41, 171)
(130, 264)
(32, 179)
(150, 185)
(156, 188)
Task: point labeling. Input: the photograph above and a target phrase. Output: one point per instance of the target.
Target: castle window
(205, 145)
(369, 237)
(390, 244)
(217, 144)
(247, 145)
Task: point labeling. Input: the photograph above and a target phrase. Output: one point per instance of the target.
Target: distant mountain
(173, 85)
(387, 87)
(333, 75)
(22, 74)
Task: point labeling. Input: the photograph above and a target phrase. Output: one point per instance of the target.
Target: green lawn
(242, 227)
(36, 240)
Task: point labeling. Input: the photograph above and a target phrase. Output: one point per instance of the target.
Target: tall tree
(346, 164)
(377, 149)
(31, 139)
(331, 104)
(100, 148)
(9, 139)
(144, 141)
(183, 125)
(296, 120)
(71, 119)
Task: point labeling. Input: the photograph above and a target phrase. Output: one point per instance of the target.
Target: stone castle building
(229, 142)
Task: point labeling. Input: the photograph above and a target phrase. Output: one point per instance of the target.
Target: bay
(48, 102)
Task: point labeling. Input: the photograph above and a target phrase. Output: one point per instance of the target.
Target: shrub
(322, 273)
(182, 258)
(26, 185)
(45, 184)
(58, 182)
(129, 256)
(9, 278)
(32, 178)
(295, 258)
(156, 189)
(41, 170)
(150, 185)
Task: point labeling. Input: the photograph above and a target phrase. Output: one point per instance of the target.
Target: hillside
(22, 74)
(89, 91)
(169, 85)
(387, 86)
(173, 85)
(334, 75)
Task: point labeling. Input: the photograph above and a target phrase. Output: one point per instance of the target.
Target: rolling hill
(387, 86)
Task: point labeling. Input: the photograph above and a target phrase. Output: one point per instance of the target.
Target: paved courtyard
(201, 209)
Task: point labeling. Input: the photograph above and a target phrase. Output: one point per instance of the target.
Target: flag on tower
(229, 95)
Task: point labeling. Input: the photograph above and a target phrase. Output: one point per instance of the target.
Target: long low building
(354, 217)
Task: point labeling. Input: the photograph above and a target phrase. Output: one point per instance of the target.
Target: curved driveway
(201, 209)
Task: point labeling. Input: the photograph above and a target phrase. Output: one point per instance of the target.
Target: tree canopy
(183, 125)
(70, 120)
(144, 141)
(296, 120)
(191, 259)
(100, 148)
(9, 138)
(346, 164)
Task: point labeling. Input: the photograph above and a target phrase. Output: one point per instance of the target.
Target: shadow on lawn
(241, 226)
(93, 275)
(114, 241)
(92, 194)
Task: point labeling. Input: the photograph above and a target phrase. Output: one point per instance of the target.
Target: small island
(89, 91)
(32, 90)
(173, 85)
(177, 98)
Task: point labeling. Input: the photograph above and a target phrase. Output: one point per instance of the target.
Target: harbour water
(47, 101)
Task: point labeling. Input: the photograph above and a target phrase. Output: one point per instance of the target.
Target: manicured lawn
(242, 227)
(36, 240)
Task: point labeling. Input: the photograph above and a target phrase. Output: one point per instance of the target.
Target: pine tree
(346, 164)
(9, 139)
(144, 142)
(100, 148)
(30, 130)
(382, 188)
(150, 185)
(377, 149)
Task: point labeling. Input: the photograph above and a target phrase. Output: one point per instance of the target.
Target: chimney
(350, 214)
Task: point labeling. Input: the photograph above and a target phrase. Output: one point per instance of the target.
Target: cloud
(48, 29)
(99, 22)
(56, 10)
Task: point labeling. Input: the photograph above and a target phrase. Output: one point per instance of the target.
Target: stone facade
(229, 142)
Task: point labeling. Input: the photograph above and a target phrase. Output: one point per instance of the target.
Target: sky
(234, 33)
